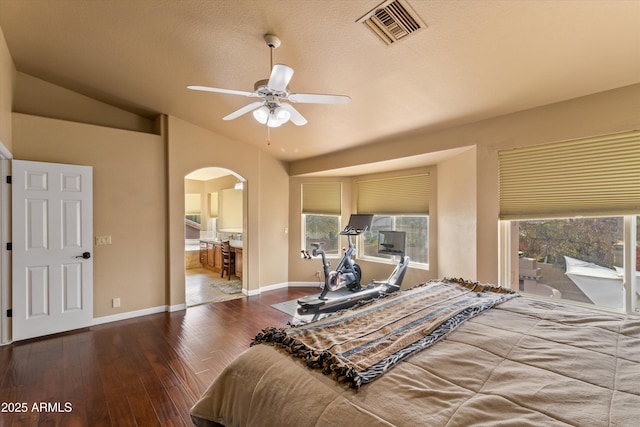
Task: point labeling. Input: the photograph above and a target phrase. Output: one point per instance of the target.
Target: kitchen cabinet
(210, 255)
(238, 252)
(217, 264)
(203, 254)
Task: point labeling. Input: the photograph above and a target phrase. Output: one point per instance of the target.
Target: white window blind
(213, 204)
(590, 177)
(192, 204)
(321, 198)
(394, 196)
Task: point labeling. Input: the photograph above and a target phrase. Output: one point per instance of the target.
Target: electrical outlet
(116, 302)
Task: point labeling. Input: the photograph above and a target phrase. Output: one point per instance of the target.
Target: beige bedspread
(358, 345)
(524, 362)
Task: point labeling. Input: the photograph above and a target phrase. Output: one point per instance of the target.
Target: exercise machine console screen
(391, 242)
(358, 224)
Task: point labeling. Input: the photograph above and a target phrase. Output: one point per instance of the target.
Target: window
(637, 272)
(193, 218)
(587, 177)
(324, 229)
(417, 234)
(321, 206)
(399, 203)
(577, 259)
(637, 246)
(570, 209)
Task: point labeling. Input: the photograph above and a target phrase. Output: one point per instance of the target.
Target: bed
(509, 360)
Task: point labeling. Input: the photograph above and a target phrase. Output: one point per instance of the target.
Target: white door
(52, 214)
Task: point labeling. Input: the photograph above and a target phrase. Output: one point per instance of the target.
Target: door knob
(85, 255)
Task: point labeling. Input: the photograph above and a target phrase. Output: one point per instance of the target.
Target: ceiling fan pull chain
(268, 135)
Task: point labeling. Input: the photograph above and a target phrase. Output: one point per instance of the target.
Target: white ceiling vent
(393, 20)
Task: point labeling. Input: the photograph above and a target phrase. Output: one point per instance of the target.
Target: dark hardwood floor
(146, 371)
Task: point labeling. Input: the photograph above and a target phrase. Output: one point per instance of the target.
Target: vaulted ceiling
(473, 60)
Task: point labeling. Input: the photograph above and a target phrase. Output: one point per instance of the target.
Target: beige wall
(129, 203)
(602, 113)
(273, 216)
(7, 82)
(457, 216)
(40, 98)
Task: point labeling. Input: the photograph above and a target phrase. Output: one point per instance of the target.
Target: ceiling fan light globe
(274, 123)
(261, 114)
(277, 117)
(282, 115)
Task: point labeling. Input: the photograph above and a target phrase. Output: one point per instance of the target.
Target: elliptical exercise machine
(348, 274)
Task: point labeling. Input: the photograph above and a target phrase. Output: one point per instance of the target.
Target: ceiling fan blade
(280, 77)
(296, 118)
(243, 110)
(218, 90)
(311, 98)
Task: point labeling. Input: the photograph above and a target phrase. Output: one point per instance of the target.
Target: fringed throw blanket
(360, 344)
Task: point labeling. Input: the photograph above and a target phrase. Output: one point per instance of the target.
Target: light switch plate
(103, 240)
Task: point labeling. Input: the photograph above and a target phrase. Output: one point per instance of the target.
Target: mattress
(523, 362)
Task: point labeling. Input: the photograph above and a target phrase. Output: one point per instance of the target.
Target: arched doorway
(214, 221)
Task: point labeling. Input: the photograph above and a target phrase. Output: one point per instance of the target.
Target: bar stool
(228, 261)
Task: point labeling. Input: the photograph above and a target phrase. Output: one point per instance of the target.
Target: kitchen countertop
(232, 243)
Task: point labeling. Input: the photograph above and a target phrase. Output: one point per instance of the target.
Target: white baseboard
(281, 286)
(304, 285)
(130, 314)
(178, 307)
(268, 288)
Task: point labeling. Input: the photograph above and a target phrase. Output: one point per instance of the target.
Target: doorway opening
(214, 235)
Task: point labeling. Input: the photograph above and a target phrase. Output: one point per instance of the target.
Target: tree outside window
(322, 229)
(581, 258)
(416, 228)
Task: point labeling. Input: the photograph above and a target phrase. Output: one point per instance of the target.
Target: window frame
(384, 260)
(508, 260)
(321, 198)
(303, 235)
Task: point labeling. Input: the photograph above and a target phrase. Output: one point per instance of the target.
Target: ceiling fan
(271, 110)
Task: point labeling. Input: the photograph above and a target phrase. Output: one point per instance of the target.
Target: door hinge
(9, 246)
(10, 312)
(8, 179)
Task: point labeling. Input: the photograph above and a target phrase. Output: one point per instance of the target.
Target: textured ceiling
(476, 59)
